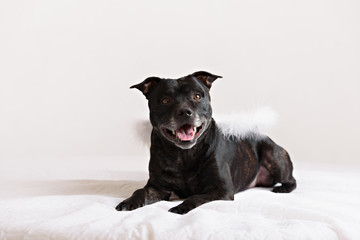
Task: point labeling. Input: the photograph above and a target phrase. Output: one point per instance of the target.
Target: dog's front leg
(197, 200)
(142, 197)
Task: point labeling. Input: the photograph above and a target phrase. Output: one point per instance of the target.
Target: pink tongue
(185, 133)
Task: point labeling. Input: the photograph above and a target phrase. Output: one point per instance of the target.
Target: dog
(191, 157)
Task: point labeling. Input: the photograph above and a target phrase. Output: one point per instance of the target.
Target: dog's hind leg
(282, 169)
(275, 161)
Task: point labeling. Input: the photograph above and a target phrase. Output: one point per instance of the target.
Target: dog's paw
(284, 188)
(279, 189)
(180, 209)
(129, 204)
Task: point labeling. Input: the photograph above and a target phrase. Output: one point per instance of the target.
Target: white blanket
(326, 205)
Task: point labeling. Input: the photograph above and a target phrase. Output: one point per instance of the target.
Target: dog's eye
(197, 96)
(165, 100)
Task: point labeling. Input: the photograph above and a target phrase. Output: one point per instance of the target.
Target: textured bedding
(326, 205)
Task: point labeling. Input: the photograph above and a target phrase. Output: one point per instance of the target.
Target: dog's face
(180, 109)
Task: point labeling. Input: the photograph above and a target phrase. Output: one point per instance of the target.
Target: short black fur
(190, 157)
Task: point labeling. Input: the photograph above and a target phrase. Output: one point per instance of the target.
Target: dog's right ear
(147, 85)
(206, 78)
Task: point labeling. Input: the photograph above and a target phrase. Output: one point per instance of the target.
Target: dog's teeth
(194, 129)
(173, 132)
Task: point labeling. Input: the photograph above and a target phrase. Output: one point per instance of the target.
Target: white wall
(66, 67)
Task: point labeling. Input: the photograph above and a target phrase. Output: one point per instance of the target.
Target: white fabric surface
(326, 205)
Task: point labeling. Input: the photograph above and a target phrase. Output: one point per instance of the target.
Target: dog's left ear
(205, 77)
(147, 85)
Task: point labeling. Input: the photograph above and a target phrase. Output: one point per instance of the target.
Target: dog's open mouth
(185, 133)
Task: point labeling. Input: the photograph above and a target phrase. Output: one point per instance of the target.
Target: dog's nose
(185, 112)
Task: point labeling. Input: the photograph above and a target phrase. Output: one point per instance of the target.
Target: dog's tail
(247, 124)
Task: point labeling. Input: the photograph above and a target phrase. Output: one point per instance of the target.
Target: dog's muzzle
(184, 135)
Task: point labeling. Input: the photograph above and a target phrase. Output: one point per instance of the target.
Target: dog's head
(180, 109)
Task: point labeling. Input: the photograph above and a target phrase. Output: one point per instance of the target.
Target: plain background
(66, 68)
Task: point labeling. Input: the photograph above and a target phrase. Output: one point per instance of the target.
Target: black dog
(192, 158)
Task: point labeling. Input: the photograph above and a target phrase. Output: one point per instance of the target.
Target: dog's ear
(205, 77)
(147, 85)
